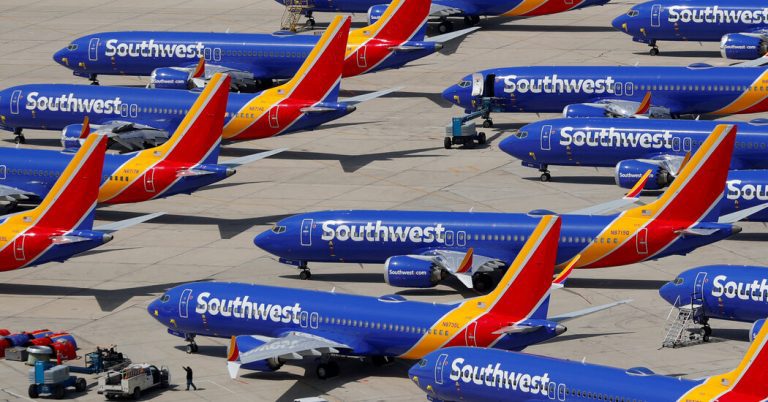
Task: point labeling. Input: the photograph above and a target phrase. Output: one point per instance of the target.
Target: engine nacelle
(628, 172)
(756, 327)
(375, 12)
(70, 136)
(245, 343)
(579, 110)
(742, 47)
(170, 78)
(410, 272)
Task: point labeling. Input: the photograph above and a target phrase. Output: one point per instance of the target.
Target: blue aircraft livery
(308, 100)
(183, 164)
(623, 91)
(477, 374)
(739, 25)
(419, 247)
(170, 58)
(269, 325)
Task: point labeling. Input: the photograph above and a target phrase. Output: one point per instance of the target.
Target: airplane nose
(61, 57)
(620, 23)
(264, 241)
(667, 292)
(154, 309)
(508, 145)
(451, 94)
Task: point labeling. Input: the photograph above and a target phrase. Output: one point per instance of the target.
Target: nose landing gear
(19, 139)
(191, 345)
(305, 273)
(654, 49)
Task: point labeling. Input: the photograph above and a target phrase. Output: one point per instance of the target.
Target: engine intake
(628, 172)
(375, 12)
(579, 110)
(170, 78)
(70, 136)
(245, 343)
(756, 327)
(742, 47)
(411, 272)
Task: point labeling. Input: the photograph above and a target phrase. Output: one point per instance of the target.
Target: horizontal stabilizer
(451, 35)
(317, 109)
(516, 329)
(192, 172)
(243, 160)
(115, 226)
(697, 231)
(743, 214)
(587, 311)
(373, 95)
(67, 239)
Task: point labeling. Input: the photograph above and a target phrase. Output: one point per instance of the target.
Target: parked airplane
(419, 248)
(724, 292)
(477, 374)
(253, 60)
(624, 91)
(632, 146)
(271, 325)
(184, 164)
(62, 225)
(471, 10)
(741, 26)
(308, 100)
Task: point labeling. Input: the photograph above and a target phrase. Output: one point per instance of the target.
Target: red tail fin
(645, 105)
(197, 138)
(73, 197)
(529, 278)
(86, 128)
(199, 69)
(403, 20)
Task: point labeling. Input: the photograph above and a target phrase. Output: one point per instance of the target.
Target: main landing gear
(654, 49)
(191, 346)
(19, 139)
(328, 369)
(310, 20)
(444, 26)
(305, 273)
(471, 20)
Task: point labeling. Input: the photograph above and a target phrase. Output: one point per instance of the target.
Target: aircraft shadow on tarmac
(228, 228)
(732, 334)
(508, 24)
(594, 283)
(601, 180)
(761, 237)
(573, 337)
(349, 163)
(699, 54)
(108, 299)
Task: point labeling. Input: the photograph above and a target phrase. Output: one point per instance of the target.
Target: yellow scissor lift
(294, 10)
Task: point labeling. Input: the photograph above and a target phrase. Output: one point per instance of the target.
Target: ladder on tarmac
(294, 10)
(682, 332)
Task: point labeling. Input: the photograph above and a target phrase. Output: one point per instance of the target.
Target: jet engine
(581, 110)
(628, 172)
(170, 78)
(411, 272)
(245, 343)
(743, 46)
(375, 12)
(756, 327)
(70, 136)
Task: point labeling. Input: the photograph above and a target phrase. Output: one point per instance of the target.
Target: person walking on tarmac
(189, 378)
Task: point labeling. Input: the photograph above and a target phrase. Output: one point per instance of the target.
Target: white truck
(133, 380)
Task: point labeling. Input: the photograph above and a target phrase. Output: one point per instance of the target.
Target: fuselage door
(274, 121)
(642, 241)
(304, 319)
(469, 335)
(698, 286)
(149, 181)
(18, 247)
(186, 294)
(477, 84)
(449, 237)
(439, 364)
(314, 320)
(546, 138)
(306, 232)
(2, 172)
(15, 96)
(687, 144)
(676, 144)
(461, 238)
(93, 49)
(656, 15)
(362, 60)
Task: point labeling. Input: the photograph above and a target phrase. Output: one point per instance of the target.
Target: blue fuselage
(466, 7)
(475, 374)
(728, 292)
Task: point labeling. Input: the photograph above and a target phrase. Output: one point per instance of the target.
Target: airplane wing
(456, 8)
(366, 97)
(8, 193)
(644, 109)
(129, 135)
(291, 346)
(115, 226)
(450, 42)
(630, 198)
(463, 265)
(743, 214)
(236, 162)
(760, 61)
(586, 311)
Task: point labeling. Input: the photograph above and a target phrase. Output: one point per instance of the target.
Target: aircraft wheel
(311, 23)
(192, 348)
(471, 20)
(488, 123)
(447, 143)
(654, 51)
(20, 139)
(482, 282)
(545, 177)
(481, 138)
(305, 275)
(327, 370)
(445, 27)
(707, 331)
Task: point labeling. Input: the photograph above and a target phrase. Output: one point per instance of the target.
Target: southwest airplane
(419, 248)
(253, 60)
(724, 292)
(741, 26)
(623, 91)
(183, 164)
(632, 146)
(308, 100)
(269, 325)
(62, 225)
(476, 374)
(471, 10)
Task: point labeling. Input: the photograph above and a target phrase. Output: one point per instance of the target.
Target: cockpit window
(678, 281)
(633, 13)
(464, 84)
(165, 298)
(422, 362)
(278, 229)
(72, 46)
(521, 134)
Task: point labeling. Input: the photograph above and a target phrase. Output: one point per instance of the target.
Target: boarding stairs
(294, 10)
(682, 331)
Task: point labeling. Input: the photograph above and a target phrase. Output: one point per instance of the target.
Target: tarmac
(388, 154)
